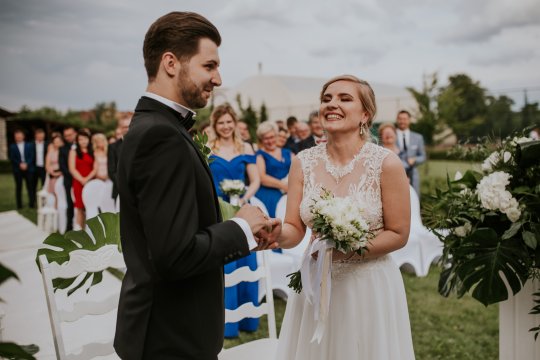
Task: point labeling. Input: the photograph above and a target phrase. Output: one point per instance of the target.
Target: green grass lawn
(442, 328)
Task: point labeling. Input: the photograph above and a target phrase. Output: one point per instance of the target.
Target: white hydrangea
(493, 195)
(464, 230)
(520, 140)
(491, 161)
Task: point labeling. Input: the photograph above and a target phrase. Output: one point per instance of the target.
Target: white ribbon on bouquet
(317, 281)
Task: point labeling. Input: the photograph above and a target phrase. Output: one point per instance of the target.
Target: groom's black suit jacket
(173, 241)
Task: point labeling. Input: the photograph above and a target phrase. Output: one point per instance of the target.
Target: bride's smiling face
(341, 109)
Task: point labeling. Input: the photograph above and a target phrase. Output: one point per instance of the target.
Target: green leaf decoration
(227, 210)
(530, 240)
(6, 274)
(105, 230)
(483, 259)
(9, 350)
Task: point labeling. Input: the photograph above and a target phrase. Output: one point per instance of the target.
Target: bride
(367, 316)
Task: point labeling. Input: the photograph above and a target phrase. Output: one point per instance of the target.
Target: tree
(500, 121)
(105, 114)
(248, 115)
(427, 117)
(263, 115)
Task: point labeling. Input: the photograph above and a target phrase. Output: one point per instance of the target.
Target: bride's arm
(396, 210)
(293, 229)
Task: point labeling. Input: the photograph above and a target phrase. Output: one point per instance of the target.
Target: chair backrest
(92, 194)
(416, 217)
(281, 207)
(248, 310)
(107, 202)
(257, 202)
(80, 262)
(61, 204)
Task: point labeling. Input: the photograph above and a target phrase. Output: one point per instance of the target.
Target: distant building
(286, 96)
(4, 115)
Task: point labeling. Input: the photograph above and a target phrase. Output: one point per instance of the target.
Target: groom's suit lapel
(148, 104)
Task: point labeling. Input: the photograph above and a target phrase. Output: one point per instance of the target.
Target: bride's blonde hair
(366, 95)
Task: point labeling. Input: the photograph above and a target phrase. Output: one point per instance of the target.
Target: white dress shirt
(21, 150)
(252, 243)
(407, 134)
(40, 154)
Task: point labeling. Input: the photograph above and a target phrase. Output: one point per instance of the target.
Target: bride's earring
(361, 128)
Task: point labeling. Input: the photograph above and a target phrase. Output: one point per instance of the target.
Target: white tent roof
(295, 95)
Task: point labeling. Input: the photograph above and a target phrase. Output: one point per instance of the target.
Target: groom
(173, 239)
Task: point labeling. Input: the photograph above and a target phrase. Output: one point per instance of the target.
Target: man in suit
(22, 157)
(412, 146)
(113, 153)
(173, 239)
(317, 133)
(293, 140)
(40, 146)
(63, 155)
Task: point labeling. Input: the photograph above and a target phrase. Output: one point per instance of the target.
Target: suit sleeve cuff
(252, 244)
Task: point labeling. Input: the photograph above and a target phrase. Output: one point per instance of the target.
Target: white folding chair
(281, 207)
(257, 202)
(61, 204)
(68, 312)
(260, 349)
(92, 195)
(107, 202)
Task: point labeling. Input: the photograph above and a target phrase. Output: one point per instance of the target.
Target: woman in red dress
(81, 167)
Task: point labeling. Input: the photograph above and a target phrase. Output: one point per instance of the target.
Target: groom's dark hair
(179, 33)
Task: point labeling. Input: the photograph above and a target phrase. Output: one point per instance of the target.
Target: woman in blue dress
(273, 163)
(232, 159)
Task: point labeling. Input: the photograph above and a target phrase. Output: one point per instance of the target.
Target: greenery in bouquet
(340, 221)
(491, 222)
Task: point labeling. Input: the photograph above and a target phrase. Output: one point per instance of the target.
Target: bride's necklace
(338, 172)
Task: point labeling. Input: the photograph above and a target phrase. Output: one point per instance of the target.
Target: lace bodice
(360, 179)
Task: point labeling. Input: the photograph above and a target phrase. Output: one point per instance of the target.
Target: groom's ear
(170, 63)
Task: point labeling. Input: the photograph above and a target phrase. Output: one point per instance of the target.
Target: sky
(74, 54)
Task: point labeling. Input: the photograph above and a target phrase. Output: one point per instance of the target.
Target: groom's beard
(191, 93)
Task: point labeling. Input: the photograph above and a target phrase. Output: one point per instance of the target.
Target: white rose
(507, 156)
(464, 230)
(513, 214)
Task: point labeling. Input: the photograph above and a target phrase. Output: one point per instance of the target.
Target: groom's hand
(254, 217)
(267, 237)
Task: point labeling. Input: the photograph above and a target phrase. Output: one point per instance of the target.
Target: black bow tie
(187, 121)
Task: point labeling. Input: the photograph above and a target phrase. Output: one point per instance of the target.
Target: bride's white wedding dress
(368, 316)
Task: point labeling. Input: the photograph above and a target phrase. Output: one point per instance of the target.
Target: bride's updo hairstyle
(366, 94)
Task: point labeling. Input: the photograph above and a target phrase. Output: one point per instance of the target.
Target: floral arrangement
(341, 222)
(492, 222)
(232, 187)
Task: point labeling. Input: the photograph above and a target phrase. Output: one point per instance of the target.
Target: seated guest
(317, 133)
(231, 159)
(293, 139)
(81, 167)
(22, 158)
(52, 165)
(273, 163)
(243, 130)
(387, 136)
(282, 137)
(100, 144)
(302, 131)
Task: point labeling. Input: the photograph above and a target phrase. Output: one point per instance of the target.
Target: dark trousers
(39, 176)
(28, 177)
(69, 200)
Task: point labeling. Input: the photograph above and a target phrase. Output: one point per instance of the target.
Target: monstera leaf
(9, 350)
(105, 230)
(479, 263)
(6, 274)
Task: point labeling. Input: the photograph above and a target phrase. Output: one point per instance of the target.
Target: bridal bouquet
(492, 222)
(339, 222)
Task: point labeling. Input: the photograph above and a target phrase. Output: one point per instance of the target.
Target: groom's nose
(216, 78)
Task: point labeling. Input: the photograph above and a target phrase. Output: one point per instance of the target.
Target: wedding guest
(273, 164)
(243, 130)
(362, 298)
(22, 157)
(535, 133)
(282, 137)
(303, 132)
(52, 165)
(113, 153)
(388, 136)
(293, 139)
(40, 147)
(317, 134)
(111, 139)
(412, 144)
(231, 159)
(281, 124)
(99, 145)
(81, 167)
(69, 134)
